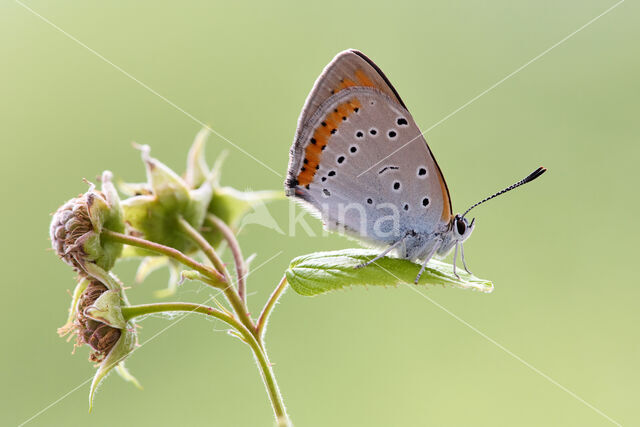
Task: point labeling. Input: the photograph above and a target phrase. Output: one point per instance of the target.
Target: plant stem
(132, 311)
(231, 240)
(238, 306)
(217, 277)
(256, 346)
(205, 247)
(266, 311)
(234, 299)
(164, 250)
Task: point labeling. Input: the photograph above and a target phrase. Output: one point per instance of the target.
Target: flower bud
(153, 208)
(153, 213)
(101, 337)
(96, 319)
(76, 226)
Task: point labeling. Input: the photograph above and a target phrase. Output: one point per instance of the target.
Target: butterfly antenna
(533, 175)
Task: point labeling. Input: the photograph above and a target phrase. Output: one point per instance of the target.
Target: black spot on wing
(386, 168)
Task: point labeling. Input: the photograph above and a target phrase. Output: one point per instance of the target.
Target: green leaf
(106, 277)
(231, 206)
(131, 189)
(322, 272)
(174, 280)
(126, 375)
(148, 265)
(106, 309)
(77, 293)
(197, 169)
(125, 346)
(114, 216)
(164, 182)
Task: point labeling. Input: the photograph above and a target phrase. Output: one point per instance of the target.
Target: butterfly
(362, 164)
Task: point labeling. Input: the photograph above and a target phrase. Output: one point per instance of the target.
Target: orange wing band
(320, 139)
(330, 125)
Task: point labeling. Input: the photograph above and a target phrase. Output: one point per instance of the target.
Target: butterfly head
(458, 231)
(462, 228)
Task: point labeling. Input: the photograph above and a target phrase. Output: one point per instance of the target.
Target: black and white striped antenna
(533, 175)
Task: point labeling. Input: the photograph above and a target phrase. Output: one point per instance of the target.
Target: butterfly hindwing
(349, 68)
(350, 162)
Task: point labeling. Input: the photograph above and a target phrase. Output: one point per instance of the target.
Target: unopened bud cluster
(86, 232)
(100, 336)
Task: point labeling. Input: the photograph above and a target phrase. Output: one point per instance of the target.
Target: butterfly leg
(455, 259)
(383, 253)
(426, 260)
(463, 261)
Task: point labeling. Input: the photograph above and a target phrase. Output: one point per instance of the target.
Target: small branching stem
(205, 247)
(256, 346)
(212, 277)
(165, 250)
(238, 306)
(268, 307)
(230, 293)
(218, 277)
(230, 238)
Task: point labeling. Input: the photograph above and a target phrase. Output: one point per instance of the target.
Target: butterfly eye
(461, 226)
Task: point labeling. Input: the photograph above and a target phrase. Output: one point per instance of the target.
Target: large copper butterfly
(360, 161)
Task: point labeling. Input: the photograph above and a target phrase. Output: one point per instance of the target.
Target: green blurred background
(561, 251)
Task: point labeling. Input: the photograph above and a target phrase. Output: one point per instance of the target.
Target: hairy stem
(215, 275)
(206, 248)
(133, 311)
(230, 293)
(266, 311)
(231, 240)
(238, 306)
(248, 337)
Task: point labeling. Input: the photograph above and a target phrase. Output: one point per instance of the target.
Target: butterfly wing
(349, 68)
(360, 159)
